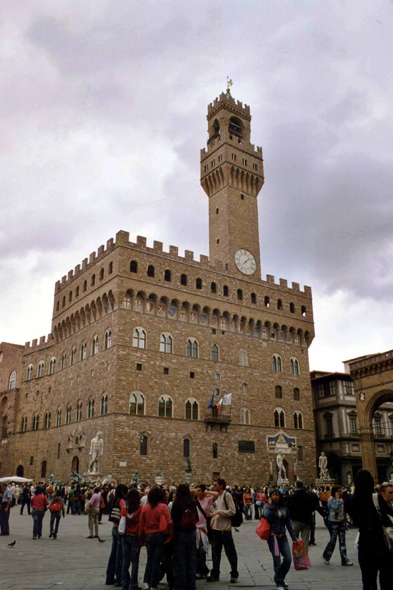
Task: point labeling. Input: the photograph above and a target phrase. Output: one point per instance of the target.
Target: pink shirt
(95, 500)
(206, 504)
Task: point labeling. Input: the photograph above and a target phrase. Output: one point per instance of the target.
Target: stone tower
(232, 176)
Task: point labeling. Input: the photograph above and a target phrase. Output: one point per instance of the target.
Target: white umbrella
(15, 478)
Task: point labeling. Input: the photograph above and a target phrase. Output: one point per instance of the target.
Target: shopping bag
(301, 559)
(263, 529)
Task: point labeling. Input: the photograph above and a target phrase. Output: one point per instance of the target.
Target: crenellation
(295, 287)
(204, 260)
(270, 279)
(158, 246)
(92, 257)
(70, 274)
(308, 291)
(283, 283)
(109, 244)
(141, 241)
(27, 344)
(64, 279)
(100, 250)
(189, 255)
(84, 264)
(122, 237)
(34, 342)
(77, 269)
(42, 340)
(174, 251)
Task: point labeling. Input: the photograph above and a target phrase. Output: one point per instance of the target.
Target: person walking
(221, 533)
(277, 515)
(247, 500)
(337, 526)
(370, 512)
(115, 562)
(5, 508)
(184, 517)
(129, 531)
(301, 505)
(39, 503)
(56, 509)
(93, 513)
(70, 503)
(26, 495)
(204, 502)
(155, 528)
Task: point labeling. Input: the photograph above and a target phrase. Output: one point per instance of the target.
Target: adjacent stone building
(144, 340)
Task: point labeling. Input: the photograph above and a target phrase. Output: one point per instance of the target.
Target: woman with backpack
(39, 502)
(337, 526)
(115, 562)
(155, 528)
(129, 531)
(56, 508)
(185, 517)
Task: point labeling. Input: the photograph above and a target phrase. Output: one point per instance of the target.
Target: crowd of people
(177, 525)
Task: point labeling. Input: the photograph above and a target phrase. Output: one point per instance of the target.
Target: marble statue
(96, 451)
(323, 470)
(282, 474)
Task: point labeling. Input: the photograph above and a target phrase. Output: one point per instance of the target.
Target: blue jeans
(281, 568)
(131, 550)
(185, 560)
(38, 516)
(54, 523)
(336, 529)
(115, 562)
(247, 511)
(220, 538)
(154, 548)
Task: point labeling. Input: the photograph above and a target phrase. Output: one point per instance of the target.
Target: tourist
(184, 517)
(93, 513)
(301, 505)
(26, 495)
(115, 562)
(70, 505)
(386, 491)
(277, 515)
(56, 509)
(39, 503)
(221, 534)
(5, 509)
(155, 528)
(374, 556)
(204, 502)
(129, 529)
(247, 500)
(337, 526)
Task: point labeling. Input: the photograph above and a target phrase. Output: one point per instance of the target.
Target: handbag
(301, 559)
(263, 529)
(114, 515)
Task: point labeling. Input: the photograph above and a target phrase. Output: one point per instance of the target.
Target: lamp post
(160, 477)
(188, 470)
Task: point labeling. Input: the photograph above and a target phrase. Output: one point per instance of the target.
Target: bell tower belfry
(232, 176)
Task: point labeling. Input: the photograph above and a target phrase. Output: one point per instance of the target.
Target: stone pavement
(73, 562)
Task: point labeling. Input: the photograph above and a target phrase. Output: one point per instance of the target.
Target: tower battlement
(226, 99)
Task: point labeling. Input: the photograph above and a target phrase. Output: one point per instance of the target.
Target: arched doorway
(75, 464)
(20, 471)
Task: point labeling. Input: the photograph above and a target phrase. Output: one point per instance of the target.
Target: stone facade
(143, 338)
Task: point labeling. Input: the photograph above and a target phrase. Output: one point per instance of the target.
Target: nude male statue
(324, 473)
(96, 451)
(282, 474)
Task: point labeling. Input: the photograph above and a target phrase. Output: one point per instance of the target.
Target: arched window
(63, 302)
(244, 416)
(137, 404)
(192, 348)
(198, 283)
(47, 420)
(183, 280)
(294, 366)
(139, 338)
(276, 363)
(292, 307)
(243, 357)
(93, 280)
(79, 411)
(70, 296)
(215, 450)
(213, 287)
(167, 275)
(108, 339)
(279, 304)
(12, 381)
(110, 268)
(279, 418)
(133, 266)
(166, 343)
(68, 414)
(29, 373)
(214, 352)
(296, 394)
(353, 422)
(24, 424)
(267, 301)
(73, 355)
(150, 271)
(192, 410)
(36, 422)
(186, 447)
(143, 445)
(40, 369)
(94, 346)
(83, 351)
(58, 417)
(90, 408)
(235, 127)
(278, 391)
(225, 291)
(52, 366)
(77, 292)
(102, 274)
(253, 298)
(84, 286)
(104, 405)
(298, 420)
(165, 406)
(304, 311)
(63, 361)
(240, 295)
(58, 306)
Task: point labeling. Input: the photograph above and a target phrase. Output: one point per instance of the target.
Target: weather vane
(229, 84)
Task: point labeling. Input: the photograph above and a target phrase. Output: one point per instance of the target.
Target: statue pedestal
(282, 481)
(325, 481)
(92, 475)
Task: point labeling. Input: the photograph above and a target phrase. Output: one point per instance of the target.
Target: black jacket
(302, 504)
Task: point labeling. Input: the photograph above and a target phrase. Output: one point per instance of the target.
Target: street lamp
(160, 477)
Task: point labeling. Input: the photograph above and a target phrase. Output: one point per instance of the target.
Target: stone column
(366, 436)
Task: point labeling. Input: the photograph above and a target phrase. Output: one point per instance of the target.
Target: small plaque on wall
(123, 463)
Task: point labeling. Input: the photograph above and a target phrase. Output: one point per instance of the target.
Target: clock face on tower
(245, 262)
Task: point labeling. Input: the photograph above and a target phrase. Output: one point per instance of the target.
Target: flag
(211, 401)
(227, 399)
(220, 403)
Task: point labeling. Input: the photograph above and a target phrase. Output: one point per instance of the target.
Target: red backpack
(188, 520)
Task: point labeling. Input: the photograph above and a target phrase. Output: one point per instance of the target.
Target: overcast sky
(103, 113)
